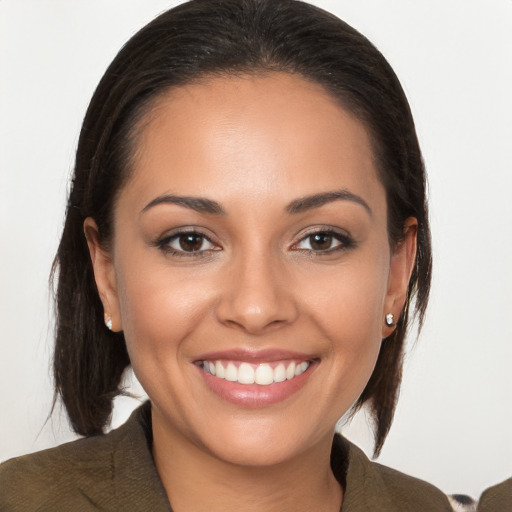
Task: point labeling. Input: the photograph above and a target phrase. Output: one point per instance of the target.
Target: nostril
(255, 319)
(253, 326)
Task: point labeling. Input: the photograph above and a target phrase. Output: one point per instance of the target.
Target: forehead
(251, 135)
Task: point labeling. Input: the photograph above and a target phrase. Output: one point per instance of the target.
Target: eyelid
(163, 241)
(342, 236)
(346, 241)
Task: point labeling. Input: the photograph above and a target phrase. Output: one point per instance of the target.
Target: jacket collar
(136, 481)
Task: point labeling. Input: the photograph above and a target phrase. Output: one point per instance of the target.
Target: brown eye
(190, 242)
(320, 241)
(324, 242)
(187, 243)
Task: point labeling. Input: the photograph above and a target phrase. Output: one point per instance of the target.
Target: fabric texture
(497, 498)
(115, 472)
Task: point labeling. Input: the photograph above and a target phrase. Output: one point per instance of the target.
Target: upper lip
(260, 356)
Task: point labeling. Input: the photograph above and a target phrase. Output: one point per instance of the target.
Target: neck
(199, 481)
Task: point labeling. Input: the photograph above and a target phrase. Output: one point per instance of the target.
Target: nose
(257, 294)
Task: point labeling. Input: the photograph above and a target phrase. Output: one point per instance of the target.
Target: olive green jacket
(115, 472)
(497, 498)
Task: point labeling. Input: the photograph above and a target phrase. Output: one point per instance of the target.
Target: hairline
(146, 112)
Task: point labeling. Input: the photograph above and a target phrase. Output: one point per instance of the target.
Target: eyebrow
(300, 205)
(199, 204)
(306, 203)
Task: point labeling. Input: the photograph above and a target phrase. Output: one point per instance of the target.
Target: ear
(403, 259)
(104, 274)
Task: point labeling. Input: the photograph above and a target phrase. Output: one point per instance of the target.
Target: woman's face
(251, 269)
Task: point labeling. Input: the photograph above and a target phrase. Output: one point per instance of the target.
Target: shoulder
(57, 476)
(382, 488)
(114, 471)
(412, 492)
(497, 498)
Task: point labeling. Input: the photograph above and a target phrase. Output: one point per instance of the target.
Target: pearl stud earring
(108, 322)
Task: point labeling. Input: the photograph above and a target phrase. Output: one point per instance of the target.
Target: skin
(253, 145)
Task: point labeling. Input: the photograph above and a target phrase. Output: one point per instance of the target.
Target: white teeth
(262, 374)
(279, 373)
(290, 371)
(231, 373)
(301, 368)
(219, 370)
(245, 374)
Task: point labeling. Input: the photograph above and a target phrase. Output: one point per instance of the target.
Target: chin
(263, 441)
(255, 449)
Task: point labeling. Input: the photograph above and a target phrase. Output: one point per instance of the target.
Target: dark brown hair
(204, 38)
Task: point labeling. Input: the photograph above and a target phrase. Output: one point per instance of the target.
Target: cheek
(349, 300)
(159, 308)
(348, 308)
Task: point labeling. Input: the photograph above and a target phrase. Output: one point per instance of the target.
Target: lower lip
(254, 395)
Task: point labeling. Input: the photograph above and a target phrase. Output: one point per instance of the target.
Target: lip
(256, 356)
(253, 395)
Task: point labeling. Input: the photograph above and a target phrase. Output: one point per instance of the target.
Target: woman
(246, 228)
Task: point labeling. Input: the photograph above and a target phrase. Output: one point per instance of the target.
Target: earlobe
(104, 275)
(402, 264)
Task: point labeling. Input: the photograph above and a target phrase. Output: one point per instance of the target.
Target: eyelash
(345, 243)
(164, 244)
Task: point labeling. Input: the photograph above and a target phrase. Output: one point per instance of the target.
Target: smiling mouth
(262, 374)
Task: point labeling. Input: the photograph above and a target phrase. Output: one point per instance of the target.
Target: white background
(453, 425)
